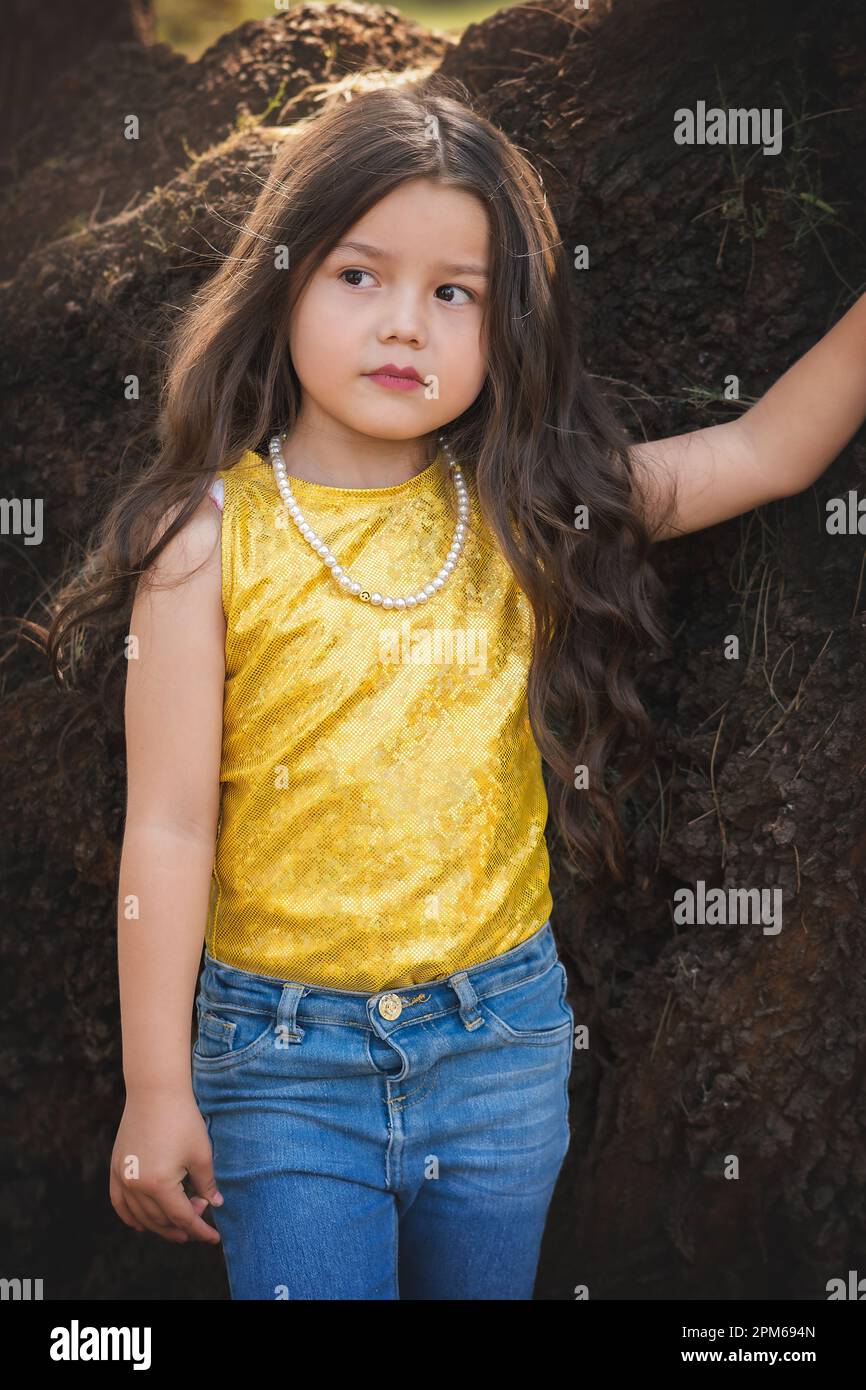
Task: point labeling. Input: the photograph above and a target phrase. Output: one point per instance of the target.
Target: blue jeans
(403, 1144)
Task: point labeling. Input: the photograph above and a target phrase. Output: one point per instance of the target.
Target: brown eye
(352, 272)
(459, 289)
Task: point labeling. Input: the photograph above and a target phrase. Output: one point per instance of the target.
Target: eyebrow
(376, 251)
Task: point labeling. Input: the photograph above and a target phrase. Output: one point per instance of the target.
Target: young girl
(395, 551)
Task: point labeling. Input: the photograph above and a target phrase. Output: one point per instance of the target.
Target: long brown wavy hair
(540, 436)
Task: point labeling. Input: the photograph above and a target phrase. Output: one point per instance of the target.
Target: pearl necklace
(345, 581)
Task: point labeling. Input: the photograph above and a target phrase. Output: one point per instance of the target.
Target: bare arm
(776, 449)
(174, 699)
(173, 711)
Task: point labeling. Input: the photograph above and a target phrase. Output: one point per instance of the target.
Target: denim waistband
(386, 1010)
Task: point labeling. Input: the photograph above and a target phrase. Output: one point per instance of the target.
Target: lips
(390, 370)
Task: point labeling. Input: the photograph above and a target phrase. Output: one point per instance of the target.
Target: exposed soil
(707, 1044)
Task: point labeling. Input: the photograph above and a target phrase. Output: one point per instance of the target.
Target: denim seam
(386, 1076)
(337, 1022)
(210, 1020)
(539, 1037)
(532, 1035)
(225, 1060)
(525, 980)
(544, 1038)
(220, 1005)
(412, 1096)
(455, 1008)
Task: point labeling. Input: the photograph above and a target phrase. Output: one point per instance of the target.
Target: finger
(153, 1205)
(152, 1217)
(203, 1182)
(180, 1211)
(119, 1202)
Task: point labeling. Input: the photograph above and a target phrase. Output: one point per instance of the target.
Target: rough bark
(704, 1041)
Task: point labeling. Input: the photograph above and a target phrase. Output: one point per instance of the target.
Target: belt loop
(469, 1013)
(287, 1028)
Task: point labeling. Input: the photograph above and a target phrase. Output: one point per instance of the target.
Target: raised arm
(777, 448)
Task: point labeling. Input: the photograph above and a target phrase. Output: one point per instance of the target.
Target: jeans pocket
(229, 1034)
(533, 1010)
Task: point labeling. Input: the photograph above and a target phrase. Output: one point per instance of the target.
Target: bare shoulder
(190, 562)
(196, 539)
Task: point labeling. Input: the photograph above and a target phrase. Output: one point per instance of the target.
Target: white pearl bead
(349, 585)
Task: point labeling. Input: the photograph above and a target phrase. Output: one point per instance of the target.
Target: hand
(162, 1137)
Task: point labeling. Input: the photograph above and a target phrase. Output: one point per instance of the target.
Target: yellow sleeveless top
(382, 808)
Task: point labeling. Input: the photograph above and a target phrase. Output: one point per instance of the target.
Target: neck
(322, 456)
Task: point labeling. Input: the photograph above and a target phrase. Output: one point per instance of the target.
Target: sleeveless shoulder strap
(243, 494)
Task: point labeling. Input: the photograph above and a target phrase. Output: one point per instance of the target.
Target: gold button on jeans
(390, 1006)
(490, 1103)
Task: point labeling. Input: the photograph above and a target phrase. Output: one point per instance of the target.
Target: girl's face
(410, 292)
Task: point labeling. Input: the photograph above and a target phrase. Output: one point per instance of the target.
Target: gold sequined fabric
(382, 807)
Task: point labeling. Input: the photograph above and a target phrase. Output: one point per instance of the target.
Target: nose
(404, 320)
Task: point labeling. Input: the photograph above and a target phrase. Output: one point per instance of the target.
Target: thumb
(202, 1178)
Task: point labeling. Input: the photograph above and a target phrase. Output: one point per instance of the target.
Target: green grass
(191, 26)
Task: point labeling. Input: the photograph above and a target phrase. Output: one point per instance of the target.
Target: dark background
(705, 260)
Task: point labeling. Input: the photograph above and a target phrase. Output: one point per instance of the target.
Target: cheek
(467, 360)
(318, 332)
